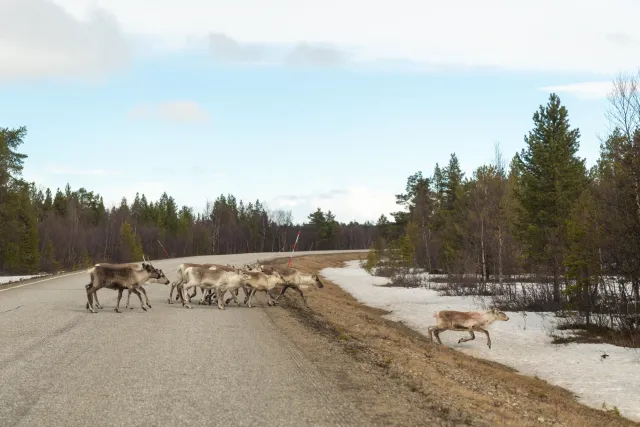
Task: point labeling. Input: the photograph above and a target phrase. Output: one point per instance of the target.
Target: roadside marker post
(293, 250)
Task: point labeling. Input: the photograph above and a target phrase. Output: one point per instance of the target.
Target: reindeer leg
(246, 291)
(273, 300)
(302, 295)
(253, 291)
(128, 297)
(204, 291)
(90, 292)
(270, 301)
(469, 338)
(436, 333)
(135, 291)
(234, 294)
(183, 293)
(173, 286)
(220, 298)
(179, 287)
(486, 333)
(146, 298)
(284, 289)
(118, 303)
(95, 298)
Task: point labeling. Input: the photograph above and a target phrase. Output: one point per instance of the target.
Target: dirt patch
(400, 378)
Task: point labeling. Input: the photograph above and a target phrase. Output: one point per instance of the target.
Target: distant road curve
(63, 366)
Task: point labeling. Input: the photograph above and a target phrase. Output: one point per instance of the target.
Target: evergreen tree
(550, 180)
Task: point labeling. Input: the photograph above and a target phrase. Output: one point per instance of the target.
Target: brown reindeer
(121, 278)
(469, 321)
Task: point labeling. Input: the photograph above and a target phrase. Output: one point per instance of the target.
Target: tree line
(42, 230)
(544, 218)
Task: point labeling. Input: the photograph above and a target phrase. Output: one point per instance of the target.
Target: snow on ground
(10, 279)
(523, 342)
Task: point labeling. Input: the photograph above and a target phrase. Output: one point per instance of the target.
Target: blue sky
(217, 114)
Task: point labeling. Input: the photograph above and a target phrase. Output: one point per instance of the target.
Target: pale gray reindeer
(182, 278)
(260, 281)
(294, 279)
(218, 280)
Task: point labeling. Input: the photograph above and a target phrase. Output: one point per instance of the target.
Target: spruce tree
(550, 177)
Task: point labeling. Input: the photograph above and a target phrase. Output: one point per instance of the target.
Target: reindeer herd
(214, 281)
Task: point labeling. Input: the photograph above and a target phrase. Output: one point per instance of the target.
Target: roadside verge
(405, 380)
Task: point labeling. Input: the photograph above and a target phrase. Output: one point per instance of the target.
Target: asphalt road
(60, 365)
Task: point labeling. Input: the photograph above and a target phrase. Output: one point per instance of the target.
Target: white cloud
(172, 111)
(357, 202)
(40, 39)
(304, 54)
(584, 90)
(577, 36)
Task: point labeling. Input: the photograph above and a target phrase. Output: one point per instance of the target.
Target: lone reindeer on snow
(468, 321)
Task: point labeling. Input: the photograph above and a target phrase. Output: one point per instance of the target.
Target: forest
(541, 233)
(47, 231)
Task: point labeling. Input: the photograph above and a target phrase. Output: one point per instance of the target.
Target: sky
(302, 103)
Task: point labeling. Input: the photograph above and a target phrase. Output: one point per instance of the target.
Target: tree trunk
(556, 284)
(500, 254)
(484, 258)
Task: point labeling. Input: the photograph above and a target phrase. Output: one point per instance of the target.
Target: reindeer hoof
(148, 305)
(169, 301)
(143, 307)
(116, 310)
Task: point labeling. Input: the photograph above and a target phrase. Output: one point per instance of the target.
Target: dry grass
(428, 382)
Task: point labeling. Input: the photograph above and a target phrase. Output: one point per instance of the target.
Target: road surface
(60, 365)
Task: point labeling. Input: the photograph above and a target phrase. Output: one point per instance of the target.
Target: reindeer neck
(141, 275)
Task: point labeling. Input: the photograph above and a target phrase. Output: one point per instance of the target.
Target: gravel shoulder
(398, 377)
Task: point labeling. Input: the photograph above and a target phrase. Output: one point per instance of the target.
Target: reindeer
(182, 279)
(259, 281)
(211, 279)
(294, 279)
(469, 321)
(121, 278)
(135, 266)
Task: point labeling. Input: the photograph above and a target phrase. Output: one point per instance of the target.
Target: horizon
(320, 115)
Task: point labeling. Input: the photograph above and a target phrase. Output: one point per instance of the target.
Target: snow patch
(522, 343)
(10, 279)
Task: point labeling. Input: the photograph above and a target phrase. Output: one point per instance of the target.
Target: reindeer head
(319, 283)
(243, 275)
(499, 314)
(155, 273)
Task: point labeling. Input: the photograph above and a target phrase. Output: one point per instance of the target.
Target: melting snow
(523, 342)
